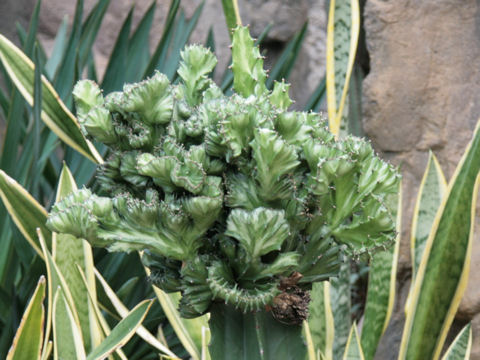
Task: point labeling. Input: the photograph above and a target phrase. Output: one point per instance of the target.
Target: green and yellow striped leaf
(178, 324)
(381, 288)
(353, 349)
(68, 252)
(54, 112)
(67, 336)
(443, 272)
(55, 280)
(123, 312)
(27, 343)
(105, 328)
(121, 333)
(340, 303)
(25, 211)
(430, 194)
(194, 327)
(342, 37)
(461, 346)
(188, 331)
(320, 319)
(307, 334)
(205, 341)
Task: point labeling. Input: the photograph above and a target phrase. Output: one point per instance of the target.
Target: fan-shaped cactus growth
(234, 199)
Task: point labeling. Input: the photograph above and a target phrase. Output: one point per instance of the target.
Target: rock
(421, 84)
(421, 92)
(287, 16)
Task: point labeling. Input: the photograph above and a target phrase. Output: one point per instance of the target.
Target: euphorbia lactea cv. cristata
(233, 199)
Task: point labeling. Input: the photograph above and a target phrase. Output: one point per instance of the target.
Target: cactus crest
(228, 196)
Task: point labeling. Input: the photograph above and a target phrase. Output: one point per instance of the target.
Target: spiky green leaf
(122, 332)
(443, 272)
(27, 343)
(54, 112)
(461, 347)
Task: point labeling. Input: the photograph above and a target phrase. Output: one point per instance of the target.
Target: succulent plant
(232, 199)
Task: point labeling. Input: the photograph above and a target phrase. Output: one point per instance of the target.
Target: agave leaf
(58, 49)
(114, 77)
(197, 329)
(54, 112)
(320, 319)
(353, 349)
(67, 336)
(157, 59)
(67, 72)
(343, 23)
(210, 44)
(443, 272)
(37, 109)
(89, 31)
(381, 290)
(205, 342)
(4, 104)
(25, 211)
(461, 346)
(105, 328)
(284, 65)
(354, 101)
(183, 30)
(55, 280)
(32, 30)
(121, 333)
(430, 194)
(68, 252)
(13, 133)
(232, 15)
(309, 340)
(340, 303)
(123, 311)
(178, 324)
(48, 351)
(27, 343)
(138, 47)
(315, 100)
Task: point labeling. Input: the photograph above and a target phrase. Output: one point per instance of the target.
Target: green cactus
(233, 199)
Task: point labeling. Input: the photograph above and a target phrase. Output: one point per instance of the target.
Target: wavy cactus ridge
(228, 196)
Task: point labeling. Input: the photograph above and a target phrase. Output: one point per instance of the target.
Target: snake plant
(234, 200)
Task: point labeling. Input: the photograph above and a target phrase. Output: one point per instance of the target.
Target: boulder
(422, 91)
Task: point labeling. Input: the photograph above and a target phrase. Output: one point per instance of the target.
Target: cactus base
(253, 335)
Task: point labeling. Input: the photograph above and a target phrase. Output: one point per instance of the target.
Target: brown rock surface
(422, 93)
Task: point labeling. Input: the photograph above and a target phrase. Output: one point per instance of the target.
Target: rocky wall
(422, 93)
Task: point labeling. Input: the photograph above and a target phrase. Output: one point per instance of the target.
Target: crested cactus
(233, 199)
